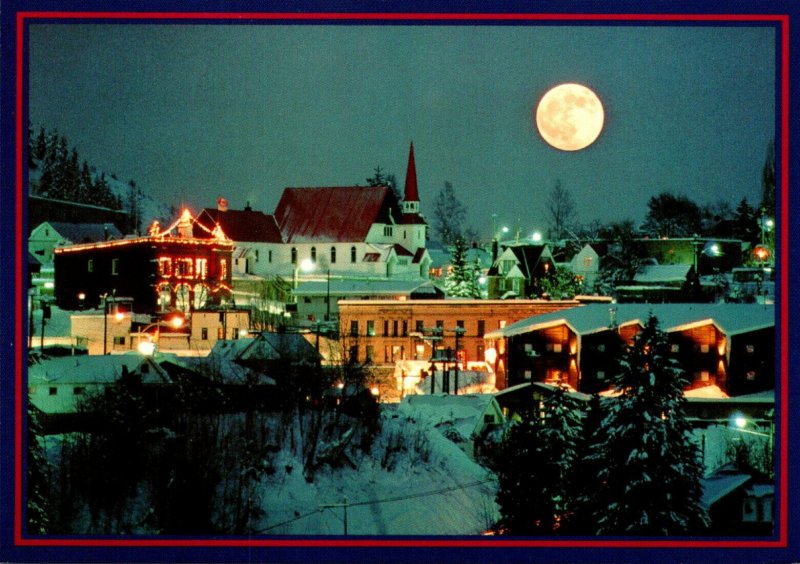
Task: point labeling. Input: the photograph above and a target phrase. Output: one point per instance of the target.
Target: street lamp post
(149, 347)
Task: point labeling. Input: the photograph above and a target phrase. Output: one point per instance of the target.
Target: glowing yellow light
(176, 322)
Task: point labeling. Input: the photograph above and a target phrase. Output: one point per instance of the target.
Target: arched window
(294, 255)
(333, 255)
(353, 254)
(313, 254)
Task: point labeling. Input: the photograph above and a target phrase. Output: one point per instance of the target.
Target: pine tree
(462, 280)
(650, 469)
(536, 480)
(38, 470)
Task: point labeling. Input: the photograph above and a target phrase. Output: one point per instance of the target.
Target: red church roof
(332, 214)
(242, 225)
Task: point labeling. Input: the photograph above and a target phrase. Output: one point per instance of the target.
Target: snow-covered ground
(436, 490)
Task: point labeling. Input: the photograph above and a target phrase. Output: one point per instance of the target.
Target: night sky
(192, 112)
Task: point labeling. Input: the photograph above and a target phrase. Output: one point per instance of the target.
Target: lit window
(115, 266)
(528, 374)
(90, 265)
(201, 268)
(675, 348)
(223, 269)
(371, 328)
(587, 262)
(184, 267)
(165, 267)
(750, 348)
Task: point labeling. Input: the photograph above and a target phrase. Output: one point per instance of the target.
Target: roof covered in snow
(720, 484)
(662, 273)
(86, 232)
(359, 288)
(94, 369)
(465, 412)
(731, 319)
(334, 214)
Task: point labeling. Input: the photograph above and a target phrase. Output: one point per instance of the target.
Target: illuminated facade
(386, 331)
(730, 346)
(166, 270)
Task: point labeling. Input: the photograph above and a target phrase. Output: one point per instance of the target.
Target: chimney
(247, 207)
(222, 204)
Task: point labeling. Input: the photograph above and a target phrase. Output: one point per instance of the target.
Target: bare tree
(561, 210)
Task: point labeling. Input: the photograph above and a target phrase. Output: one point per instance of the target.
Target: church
(343, 232)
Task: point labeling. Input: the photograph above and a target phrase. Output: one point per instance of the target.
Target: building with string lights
(172, 269)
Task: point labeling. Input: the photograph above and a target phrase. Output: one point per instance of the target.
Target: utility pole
(343, 505)
(459, 331)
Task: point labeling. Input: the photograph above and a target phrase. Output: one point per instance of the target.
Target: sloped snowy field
(431, 488)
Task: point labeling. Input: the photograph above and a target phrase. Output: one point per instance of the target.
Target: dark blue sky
(196, 111)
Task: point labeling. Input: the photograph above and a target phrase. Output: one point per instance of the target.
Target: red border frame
(782, 540)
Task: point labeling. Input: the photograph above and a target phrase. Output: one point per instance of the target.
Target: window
(420, 327)
(115, 266)
(294, 255)
(370, 353)
(333, 255)
(256, 254)
(269, 256)
(313, 254)
(352, 254)
(306, 300)
(119, 340)
(52, 391)
(220, 333)
(354, 353)
(235, 333)
(183, 267)
(371, 328)
(90, 265)
(204, 334)
(750, 349)
(528, 374)
(385, 327)
(201, 268)
(673, 348)
(387, 230)
(405, 328)
(587, 262)
(223, 269)
(77, 391)
(460, 324)
(165, 267)
(501, 324)
(354, 328)
(481, 327)
(601, 375)
(704, 348)
(394, 328)
(440, 324)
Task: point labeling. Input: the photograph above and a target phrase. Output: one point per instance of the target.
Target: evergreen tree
(650, 469)
(560, 284)
(38, 469)
(462, 281)
(536, 477)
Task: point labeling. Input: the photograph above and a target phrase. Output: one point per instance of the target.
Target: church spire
(411, 194)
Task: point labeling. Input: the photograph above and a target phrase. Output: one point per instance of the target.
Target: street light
(149, 347)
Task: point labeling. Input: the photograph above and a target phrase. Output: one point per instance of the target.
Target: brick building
(166, 270)
(385, 331)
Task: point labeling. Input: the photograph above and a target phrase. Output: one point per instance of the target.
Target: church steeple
(411, 195)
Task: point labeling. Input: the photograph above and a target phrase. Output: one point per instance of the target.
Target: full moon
(570, 117)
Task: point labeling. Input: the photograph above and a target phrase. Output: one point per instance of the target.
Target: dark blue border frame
(10, 552)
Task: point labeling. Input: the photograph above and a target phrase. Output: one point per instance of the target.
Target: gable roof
(94, 369)
(527, 256)
(242, 225)
(662, 273)
(732, 319)
(334, 214)
(86, 232)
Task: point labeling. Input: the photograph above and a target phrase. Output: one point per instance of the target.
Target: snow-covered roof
(360, 288)
(731, 319)
(463, 412)
(721, 484)
(93, 369)
(661, 273)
